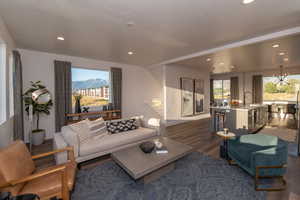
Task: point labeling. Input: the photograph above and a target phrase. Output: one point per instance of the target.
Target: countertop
(247, 107)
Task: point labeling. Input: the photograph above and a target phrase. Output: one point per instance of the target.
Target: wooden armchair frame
(62, 170)
(257, 177)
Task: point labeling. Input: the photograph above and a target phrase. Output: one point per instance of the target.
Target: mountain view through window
(91, 86)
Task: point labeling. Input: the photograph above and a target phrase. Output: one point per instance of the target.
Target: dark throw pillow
(121, 126)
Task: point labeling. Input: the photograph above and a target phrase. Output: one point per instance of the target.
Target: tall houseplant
(37, 109)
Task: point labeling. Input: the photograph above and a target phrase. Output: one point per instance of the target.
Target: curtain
(211, 85)
(63, 92)
(234, 88)
(116, 87)
(257, 89)
(18, 97)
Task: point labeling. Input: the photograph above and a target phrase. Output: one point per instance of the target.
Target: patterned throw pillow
(121, 126)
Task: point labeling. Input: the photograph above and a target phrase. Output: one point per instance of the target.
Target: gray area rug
(196, 176)
(293, 149)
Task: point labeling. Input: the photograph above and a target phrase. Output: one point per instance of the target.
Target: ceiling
(157, 31)
(254, 57)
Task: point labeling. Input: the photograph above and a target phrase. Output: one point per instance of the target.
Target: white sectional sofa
(93, 148)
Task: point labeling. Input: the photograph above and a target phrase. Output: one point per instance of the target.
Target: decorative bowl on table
(147, 147)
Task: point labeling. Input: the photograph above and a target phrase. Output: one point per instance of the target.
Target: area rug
(196, 176)
(293, 149)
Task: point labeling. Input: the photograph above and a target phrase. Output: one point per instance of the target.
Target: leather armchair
(262, 156)
(18, 173)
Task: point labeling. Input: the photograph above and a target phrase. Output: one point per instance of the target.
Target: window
(92, 85)
(285, 92)
(221, 89)
(2, 83)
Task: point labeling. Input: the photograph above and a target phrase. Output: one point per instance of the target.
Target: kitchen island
(239, 119)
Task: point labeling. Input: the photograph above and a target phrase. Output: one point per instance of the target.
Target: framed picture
(187, 96)
(198, 96)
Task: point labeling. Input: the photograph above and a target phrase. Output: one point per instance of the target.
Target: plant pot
(38, 136)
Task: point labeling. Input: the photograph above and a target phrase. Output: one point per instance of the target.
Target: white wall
(140, 85)
(6, 128)
(172, 107)
(245, 79)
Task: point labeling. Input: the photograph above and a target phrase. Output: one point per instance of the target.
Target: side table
(224, 147)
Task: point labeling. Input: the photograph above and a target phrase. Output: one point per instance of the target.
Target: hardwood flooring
(197, 134)
(45, 162)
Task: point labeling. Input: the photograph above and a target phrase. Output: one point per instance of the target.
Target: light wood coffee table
(149, 167)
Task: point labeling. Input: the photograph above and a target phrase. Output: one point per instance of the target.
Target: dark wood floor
(197, 134)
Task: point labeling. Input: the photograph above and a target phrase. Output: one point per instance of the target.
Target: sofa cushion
(259, 140)
(115, 140)
(121, 126)
(82, 130)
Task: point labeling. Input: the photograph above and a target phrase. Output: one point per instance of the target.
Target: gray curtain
(211, 85)
(257, 89)
(63, 92)
(234, 88)
(116, 87)
(18, 97)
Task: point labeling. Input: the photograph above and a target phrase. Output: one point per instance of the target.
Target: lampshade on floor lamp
(41, 96)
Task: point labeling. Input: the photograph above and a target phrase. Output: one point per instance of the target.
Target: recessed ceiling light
(281, 53)
(286, 59)
(208, 59)
(130, 52)
(221, 63)
(60, 38)
(248, 1)
(275, 45)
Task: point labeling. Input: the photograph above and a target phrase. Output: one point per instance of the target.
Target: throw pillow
(121, 126)
(138, 120)
(97, 127)
(82, 130)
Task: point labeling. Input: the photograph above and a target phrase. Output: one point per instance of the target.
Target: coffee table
(149, 167)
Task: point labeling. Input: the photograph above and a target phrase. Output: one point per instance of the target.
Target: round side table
(224, 150)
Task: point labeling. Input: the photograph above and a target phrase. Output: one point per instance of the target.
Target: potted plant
(38, 135)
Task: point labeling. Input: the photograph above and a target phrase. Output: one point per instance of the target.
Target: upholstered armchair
(18, 173)
(262, 156)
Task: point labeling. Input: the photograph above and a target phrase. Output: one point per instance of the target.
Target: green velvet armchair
(262, 156)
